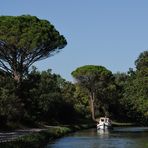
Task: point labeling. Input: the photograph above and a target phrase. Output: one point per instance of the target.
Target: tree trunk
(16, 76)
(92, 98)
(18, 92)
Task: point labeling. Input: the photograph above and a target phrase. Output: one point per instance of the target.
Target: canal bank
(41, 138)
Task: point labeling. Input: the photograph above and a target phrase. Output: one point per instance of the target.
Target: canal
(129, 137)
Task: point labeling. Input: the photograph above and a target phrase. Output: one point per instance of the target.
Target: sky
(110, 33)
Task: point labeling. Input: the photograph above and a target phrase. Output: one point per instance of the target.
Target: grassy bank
(40, 139)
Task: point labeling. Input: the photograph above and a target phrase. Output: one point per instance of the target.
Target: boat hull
(103, 126)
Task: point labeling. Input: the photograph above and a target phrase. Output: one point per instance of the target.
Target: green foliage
(45, 97)
(10, 105)
(96, 82)
(91, 76)
(142, 63)
(48, 97)
(82, 102)
(24, 40)
(133, 91)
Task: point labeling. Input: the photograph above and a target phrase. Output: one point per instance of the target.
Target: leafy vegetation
(30, 97)
(94, 79)
(25, 40)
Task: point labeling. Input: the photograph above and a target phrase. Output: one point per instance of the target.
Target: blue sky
(111, 33)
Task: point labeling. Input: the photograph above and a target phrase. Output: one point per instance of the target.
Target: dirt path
(10, 136)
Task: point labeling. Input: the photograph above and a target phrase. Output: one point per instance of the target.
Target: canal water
(129, 137)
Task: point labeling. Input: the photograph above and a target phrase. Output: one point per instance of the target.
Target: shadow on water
(130, 137)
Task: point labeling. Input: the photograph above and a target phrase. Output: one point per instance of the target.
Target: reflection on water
(135, 137)
(103, 133)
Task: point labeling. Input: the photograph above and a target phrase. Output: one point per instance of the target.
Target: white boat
(104, 123)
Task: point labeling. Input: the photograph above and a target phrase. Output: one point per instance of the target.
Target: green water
(131, 137)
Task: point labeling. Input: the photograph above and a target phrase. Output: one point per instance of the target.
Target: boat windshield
(102, 120)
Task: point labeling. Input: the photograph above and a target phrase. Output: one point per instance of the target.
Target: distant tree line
(29, 96)
(133, 91)
(121, 96)
(48, 98)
